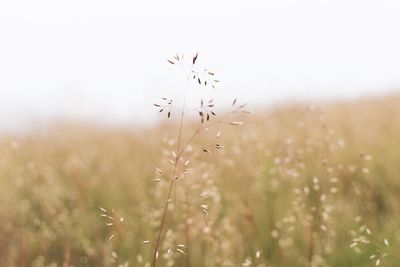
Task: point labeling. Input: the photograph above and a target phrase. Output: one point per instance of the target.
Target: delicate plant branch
(203, 78)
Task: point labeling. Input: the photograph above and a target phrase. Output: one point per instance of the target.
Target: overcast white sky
(106, 60)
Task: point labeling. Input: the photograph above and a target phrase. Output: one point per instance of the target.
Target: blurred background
(106, 62)
(310, 180)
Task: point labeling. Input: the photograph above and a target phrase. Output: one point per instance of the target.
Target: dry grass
(299, 185)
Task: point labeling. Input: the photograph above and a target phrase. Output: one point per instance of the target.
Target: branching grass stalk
(204, 78)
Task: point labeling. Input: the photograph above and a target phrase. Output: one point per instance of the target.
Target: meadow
(301, 184)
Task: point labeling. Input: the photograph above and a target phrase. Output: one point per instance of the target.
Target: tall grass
(298, 185)
(180, 158)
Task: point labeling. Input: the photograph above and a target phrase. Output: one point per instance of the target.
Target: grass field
(297, 185)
